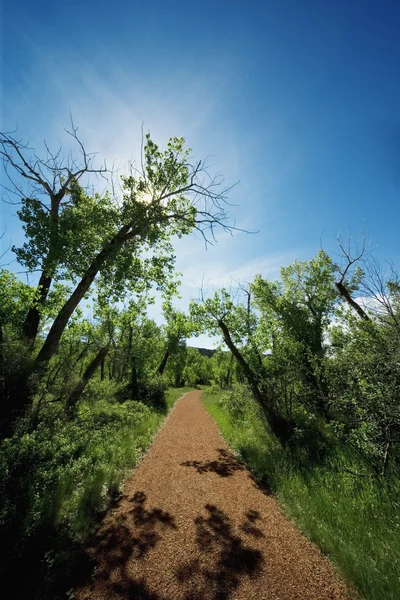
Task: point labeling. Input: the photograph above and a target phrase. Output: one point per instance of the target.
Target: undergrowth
(57, 481)
(354, 519)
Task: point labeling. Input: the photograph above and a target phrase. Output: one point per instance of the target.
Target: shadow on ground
(231, 558)
(224, 466)
(222, 557)
(130, 536)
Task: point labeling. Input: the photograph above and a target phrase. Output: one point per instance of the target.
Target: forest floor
(192, 524)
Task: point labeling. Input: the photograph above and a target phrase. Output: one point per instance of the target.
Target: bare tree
(348, 260)
(52, 177)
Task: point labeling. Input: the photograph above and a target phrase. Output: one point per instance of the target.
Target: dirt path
(192, 525)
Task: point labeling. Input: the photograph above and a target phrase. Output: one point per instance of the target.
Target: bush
(67, 472)
(55, 482)
(238, 402)
(152, 392)
(97, 390)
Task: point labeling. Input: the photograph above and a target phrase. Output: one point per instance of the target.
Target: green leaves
(15, 299)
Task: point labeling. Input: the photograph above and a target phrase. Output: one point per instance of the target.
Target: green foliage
(198, 369)
(15, 298)
(355, 520)
(84, 223)
(152, 392)
(222, 368)
(238, 403)
(60, 462)
(61, 477)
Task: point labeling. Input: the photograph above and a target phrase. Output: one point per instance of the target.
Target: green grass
(173, 394)
(354, 520)
(65, 473)
(57, 481)
(116, 454)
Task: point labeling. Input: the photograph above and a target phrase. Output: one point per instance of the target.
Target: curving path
(192, 525)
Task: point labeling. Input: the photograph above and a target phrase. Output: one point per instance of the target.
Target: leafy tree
(222, 368)
(300, 308)
(198, 368)
(72, 235)
(178, 327)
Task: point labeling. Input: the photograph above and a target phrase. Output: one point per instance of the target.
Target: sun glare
(146, 198)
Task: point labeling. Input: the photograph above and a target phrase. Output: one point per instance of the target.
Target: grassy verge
(173, 394)
(56, 482)
(355, 520)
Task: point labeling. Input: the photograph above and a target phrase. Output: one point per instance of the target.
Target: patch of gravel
(193, 525)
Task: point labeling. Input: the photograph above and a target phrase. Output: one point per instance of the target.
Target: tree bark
(163, 363)
(345, 294)
(251, 379)
(134, 380)
(60, 322)
(30, 326)
(72, 400)
(126, 359)
(280, 426)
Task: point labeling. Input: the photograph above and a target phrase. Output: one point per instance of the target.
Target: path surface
(192, 525)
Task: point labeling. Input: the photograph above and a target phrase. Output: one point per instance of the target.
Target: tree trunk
(280, 426)
(60, 322)
(32, 320)
(163, 363)
(134, 380)
(102, 370)
(345, 294)
(72, 400)
(30, 326)
(251, 379)
(127, 358)
(228, 377)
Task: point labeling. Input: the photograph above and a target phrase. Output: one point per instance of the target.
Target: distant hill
(207, 351)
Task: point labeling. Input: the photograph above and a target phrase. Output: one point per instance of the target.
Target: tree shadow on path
(130, 536)
(223, 557)
(224, 466)
(232, 559)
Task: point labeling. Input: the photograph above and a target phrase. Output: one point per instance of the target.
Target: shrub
(238, 402)
(152, 392)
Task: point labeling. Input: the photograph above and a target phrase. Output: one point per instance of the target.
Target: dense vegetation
(312, 374)
(354, 519)
(83, 371)
(315, 405)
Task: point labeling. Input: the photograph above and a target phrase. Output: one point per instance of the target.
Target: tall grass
(355, 520)
(56, 482)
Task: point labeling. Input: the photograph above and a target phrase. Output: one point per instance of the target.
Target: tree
(49, 222)
(178, 327)
(302, 305)
(128, 243)
(224, 314)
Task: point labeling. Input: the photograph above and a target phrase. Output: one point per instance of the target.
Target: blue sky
(300, 101)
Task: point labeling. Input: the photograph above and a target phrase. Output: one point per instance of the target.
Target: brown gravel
(193, 525)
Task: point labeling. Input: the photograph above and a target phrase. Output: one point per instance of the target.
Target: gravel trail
(192, 525)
